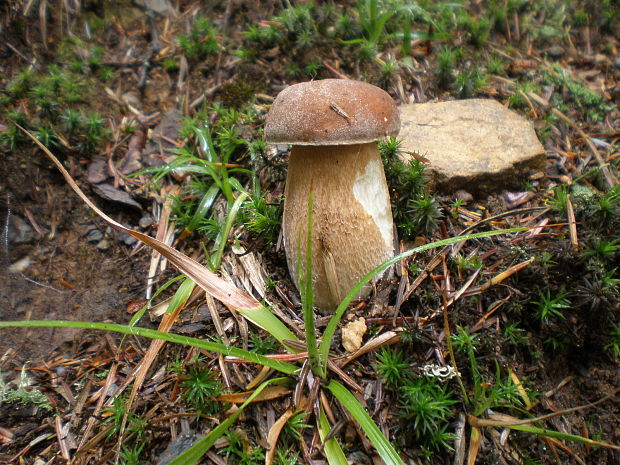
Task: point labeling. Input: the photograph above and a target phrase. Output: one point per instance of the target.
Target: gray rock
(94, 235)
(19, 232)
(358, 458)
(146, 221)
(175, 448)
(103, 244)
(556, 51)
(109, 192)
(158, 6)
(98, 170)
(125, 238)
(476, 145)
(159, 147)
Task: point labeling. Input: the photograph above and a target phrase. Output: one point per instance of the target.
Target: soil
(69, 277)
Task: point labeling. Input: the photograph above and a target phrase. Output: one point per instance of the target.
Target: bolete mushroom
(333, 126)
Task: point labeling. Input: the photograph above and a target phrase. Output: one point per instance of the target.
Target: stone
(146, 221)
(111, 193)
(18, 231)
(103, 244)
(477, 145)
(158, 6)
(20, 265)
(161, 145)
(98, 170)
(556, 51)
(125, 238)
(94, 235)
(352, 334)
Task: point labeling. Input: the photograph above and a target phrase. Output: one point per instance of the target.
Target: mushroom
(333, 126)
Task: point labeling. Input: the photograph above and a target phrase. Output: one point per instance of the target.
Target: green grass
(392, 367)
(201, 41)
(614, 346)
(574, 94)
(426, 408)
(41, 100)
(240, 450)
(551, 306)
(260, 217)
(199, 387)
(414, 210)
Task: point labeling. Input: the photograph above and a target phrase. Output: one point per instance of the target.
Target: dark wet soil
(68, 277)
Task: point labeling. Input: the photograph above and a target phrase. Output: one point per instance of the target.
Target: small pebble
(20, 265)
(556, 51)
(146, 221)
(19, 231)
(131, 98)
(94, 235)
(464, 196)
(125, 238)
(103, 244)
(112, 390)
(358, 458)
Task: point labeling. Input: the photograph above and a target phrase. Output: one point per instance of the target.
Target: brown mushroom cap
(331, 112)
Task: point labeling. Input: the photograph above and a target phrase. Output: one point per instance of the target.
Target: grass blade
(206, 143)
(331, 448)
(203, 207)
(283, 367)
(349, 402)
(263, 318)
(222, 238)
(564, 436)
(181, 295)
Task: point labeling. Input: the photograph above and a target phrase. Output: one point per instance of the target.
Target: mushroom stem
(352, 219)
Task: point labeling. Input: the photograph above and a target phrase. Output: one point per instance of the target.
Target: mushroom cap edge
(331, 112)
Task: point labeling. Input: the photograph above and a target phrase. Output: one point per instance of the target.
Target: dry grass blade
(479, 422)
(62, 440)
(259, 378)
(155, 347)
(387, 338)
(572, 223)
(499, 278)
(274, 434)
(460, 441)
(83, 447)
(522, 391)
(551, 437)
(226, 293)
(474, 445)
(165, 234)
(269, 393)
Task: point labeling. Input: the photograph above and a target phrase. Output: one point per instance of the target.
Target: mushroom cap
(331, 112)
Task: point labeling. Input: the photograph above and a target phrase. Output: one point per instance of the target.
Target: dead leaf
(274, 434)
(474, 445)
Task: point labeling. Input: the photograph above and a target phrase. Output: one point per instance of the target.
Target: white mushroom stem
(352, 219)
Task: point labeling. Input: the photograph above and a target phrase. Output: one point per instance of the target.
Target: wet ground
(50, 268)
